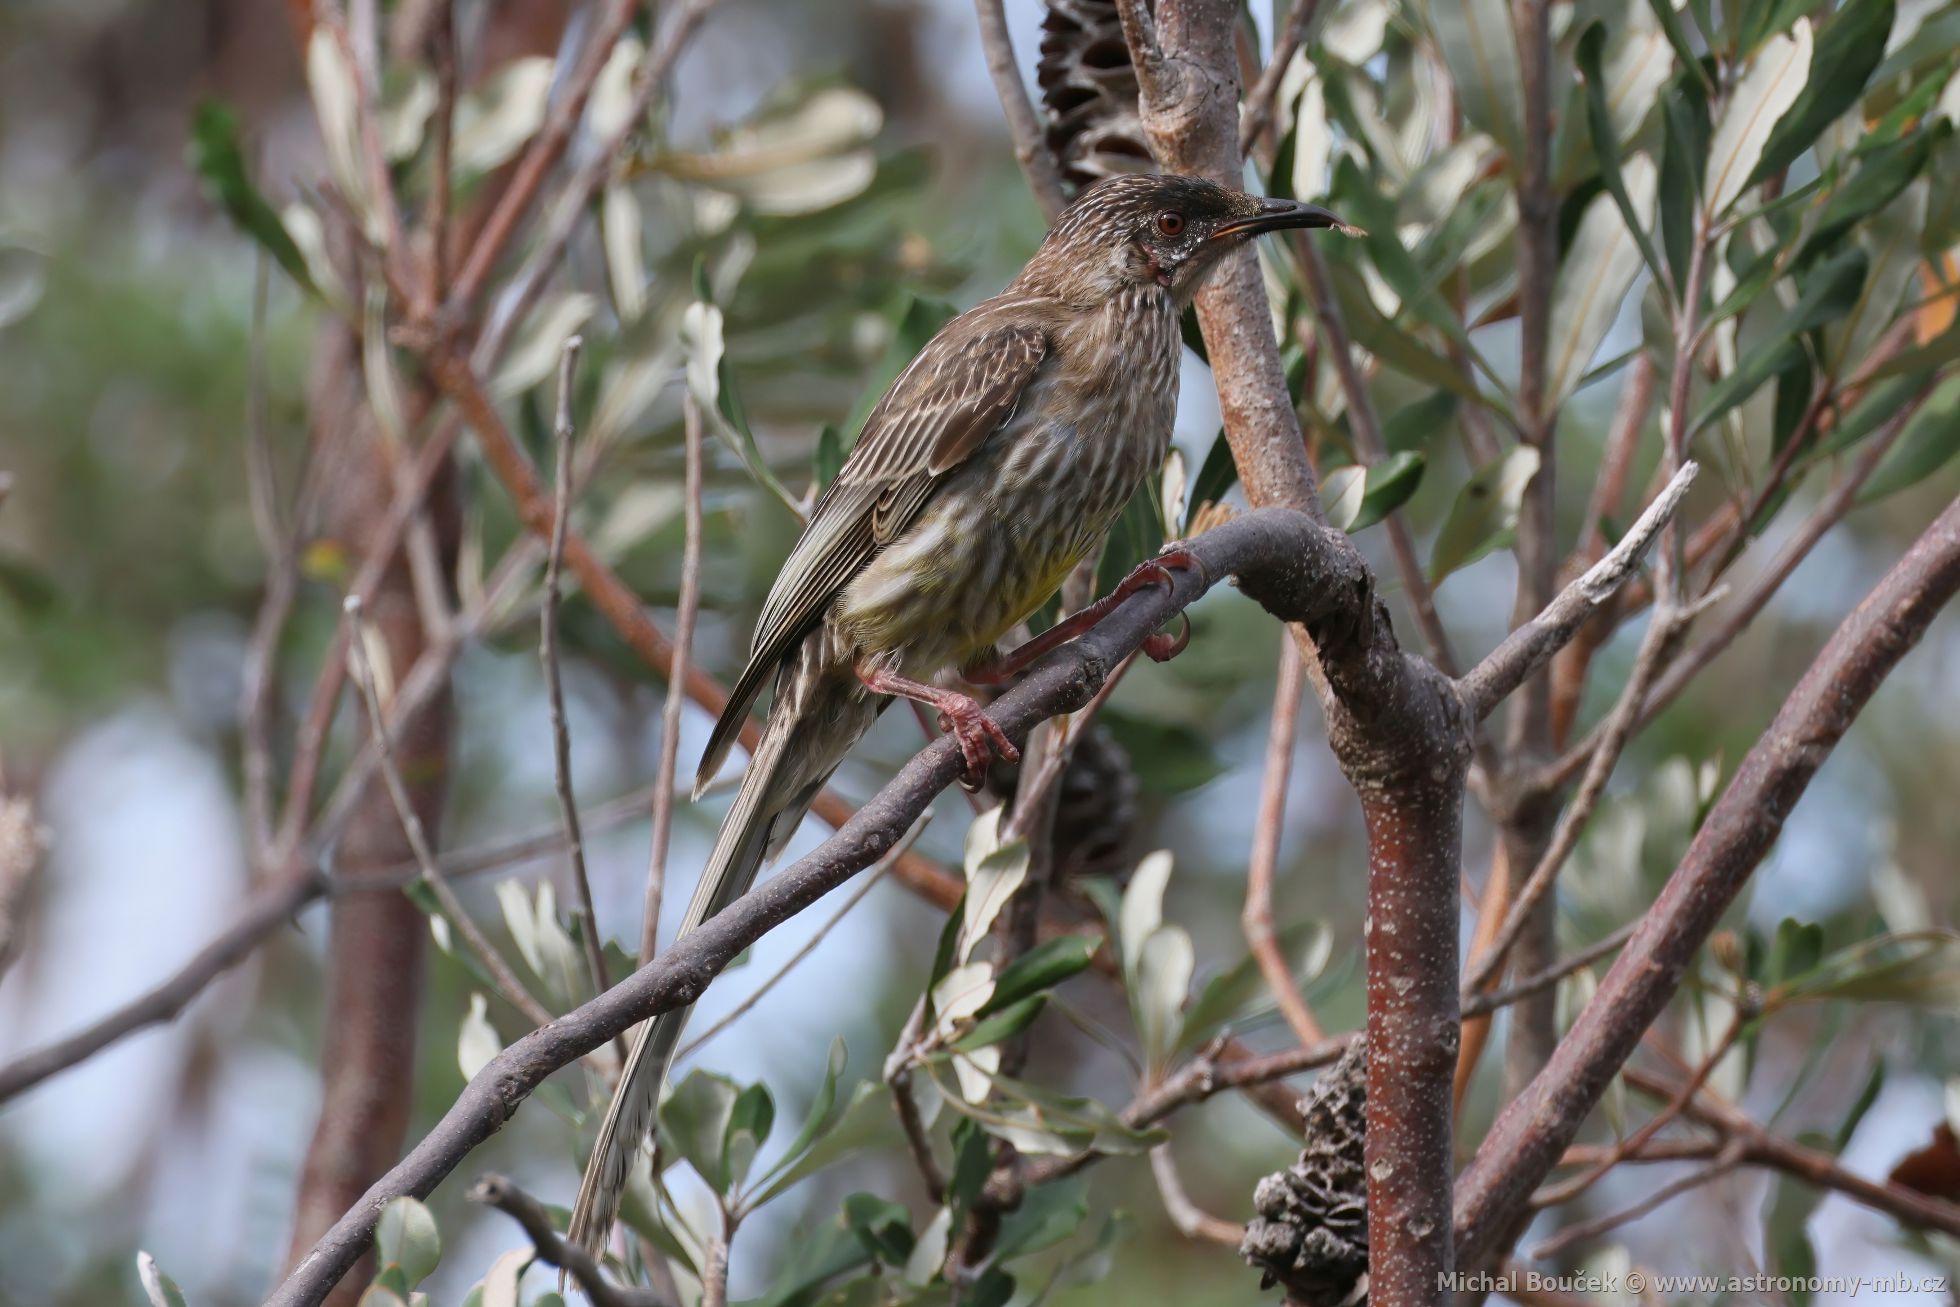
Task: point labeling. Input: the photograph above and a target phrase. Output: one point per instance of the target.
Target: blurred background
(133, 318)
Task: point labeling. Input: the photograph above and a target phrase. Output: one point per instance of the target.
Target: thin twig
(1572, 1186)
(418, 840)
(1256, 920)
(1528, 647)
(1260, 101)
(1491, 1000)
(1663, 630)
(809, 946)
(503, 1194)
(1731, 1156)
(670, 711)
(1037, 162)
(554, 683)
(1191, 1220)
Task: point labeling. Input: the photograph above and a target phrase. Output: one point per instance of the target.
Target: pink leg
(1159, 648)
(979, 736)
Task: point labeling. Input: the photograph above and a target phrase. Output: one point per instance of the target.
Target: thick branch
(1299, 570)
(1527, 1139)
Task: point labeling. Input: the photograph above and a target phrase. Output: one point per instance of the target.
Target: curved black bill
(1275, 215)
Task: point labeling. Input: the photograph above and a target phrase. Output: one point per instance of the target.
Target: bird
(994, 464)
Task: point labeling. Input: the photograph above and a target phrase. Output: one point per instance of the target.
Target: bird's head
(1156, 229)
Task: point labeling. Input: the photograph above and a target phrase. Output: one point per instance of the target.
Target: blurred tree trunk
(376, 940)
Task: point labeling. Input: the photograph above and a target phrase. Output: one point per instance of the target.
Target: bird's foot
(980, 736)
(998, 669)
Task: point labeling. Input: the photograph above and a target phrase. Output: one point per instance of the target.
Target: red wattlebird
(994, 464)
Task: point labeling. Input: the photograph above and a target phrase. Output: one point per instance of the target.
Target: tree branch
(1531, 1133)
(501, 1193)
(1044, 178)
(1299, 570)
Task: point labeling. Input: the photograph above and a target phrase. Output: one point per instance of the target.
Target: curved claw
(1162, 647)
(980, 738)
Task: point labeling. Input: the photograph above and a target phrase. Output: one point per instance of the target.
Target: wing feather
(964, 386)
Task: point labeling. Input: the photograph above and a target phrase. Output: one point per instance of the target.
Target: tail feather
(746, 835)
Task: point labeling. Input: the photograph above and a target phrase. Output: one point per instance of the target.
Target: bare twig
(670, 712)
(1044, 178)
(1528, 647)
(554, 683)
(1732, 1155)
(1492, 999)
(1257, 918)
(503, 1194)
(1257, 115)
(418, 840)
(1191, 1220)
(1662, 632)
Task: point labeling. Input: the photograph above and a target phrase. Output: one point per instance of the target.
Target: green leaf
(695, 1118)
(1236, 993)
(1930, 439)
(218, 159)
(1880, 404)
(1866, 1097)
(1386, 487)
(1841, 62)
(1796, 951)
(161, 1290)
(405, 1235)
(708, 376)
(1881, 177)
(1677, 36)
(749, 1124)
(1048, 1214)
(1606, 147)
(1604, 258)
(1169, 757)
(1005, 1023)
(1831, 291)
(994, 874)
(866, 1122)
(1413, 426)
(1684, 158)
(1040, 969)
(1216, 475)
(1481, 50)
(1771, 85)
(1484, 514)
(829, 458)
(883, 1227)
(819, 1118)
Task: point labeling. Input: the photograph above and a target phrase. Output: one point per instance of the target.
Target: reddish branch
(1531, 1133)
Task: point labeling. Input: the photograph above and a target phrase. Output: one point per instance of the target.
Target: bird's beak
(1274, 215)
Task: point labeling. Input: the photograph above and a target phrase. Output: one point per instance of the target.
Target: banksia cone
(1089, 92)
(1311, 1234)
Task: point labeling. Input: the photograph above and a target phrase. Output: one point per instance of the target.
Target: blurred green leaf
(161, 1290)
(1677, 36)
(1380, 490)
(1604, 258)
(1829, 292)
(815, 1122)
(749, 1123)
(695, 1121)
(1040, 969)
(1841, 62)
(883, 1227)
(1775, 78)
(1931, 438)
(1004, 1023)
(1796, 950)
(1879, 180)
(865, 1122)
(405, 1235)
(1636, 217)
(1684, 158)
(1414, 425)
(709, 377)
(1481, 50)
(1235, 994)
(1484, 514)
(218, 158)
(1216, 475)
(1169, 757)
(1047, 1215)
(829, 458)
(1861, 1105)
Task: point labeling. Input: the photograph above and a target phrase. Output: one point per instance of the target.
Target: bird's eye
(1170, 223)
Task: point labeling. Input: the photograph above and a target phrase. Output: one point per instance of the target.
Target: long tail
(798, 750)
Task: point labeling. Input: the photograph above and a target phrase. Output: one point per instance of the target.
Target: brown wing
(961, 388)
